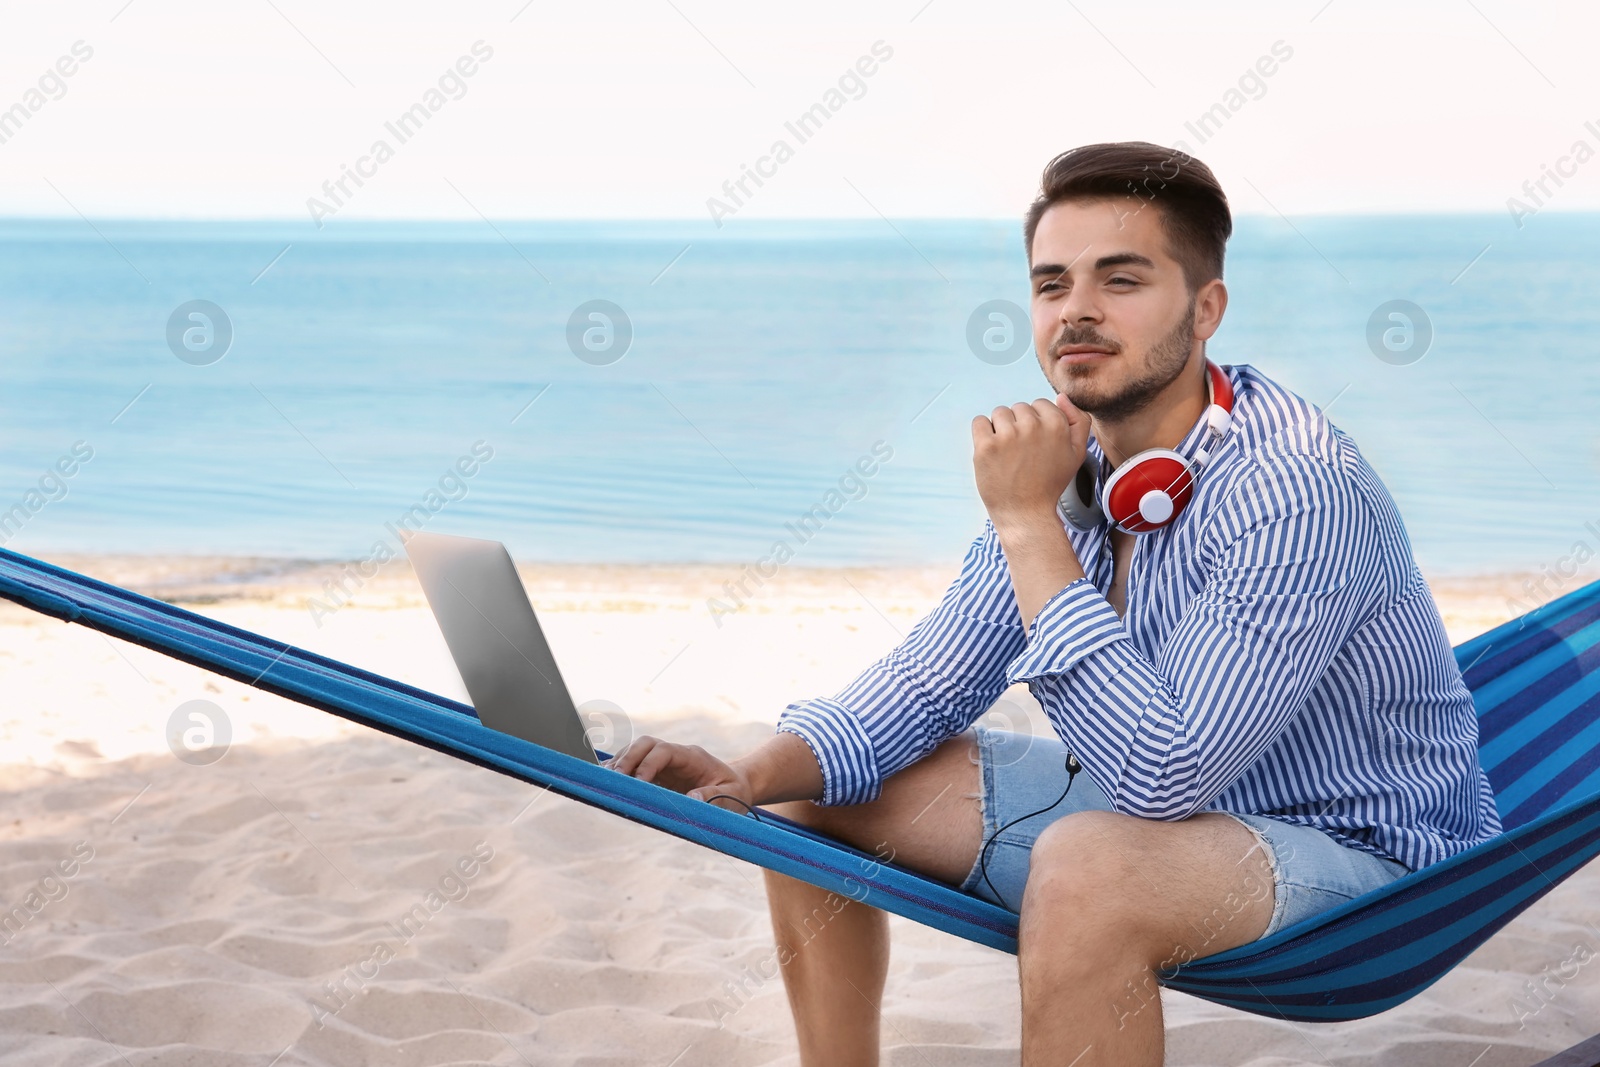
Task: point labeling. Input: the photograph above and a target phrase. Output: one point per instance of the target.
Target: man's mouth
(1081, 353)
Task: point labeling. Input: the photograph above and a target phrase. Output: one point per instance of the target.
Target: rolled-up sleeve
(1291, 568)
(936, 683)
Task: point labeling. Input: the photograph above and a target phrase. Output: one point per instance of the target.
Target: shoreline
(1469, 602)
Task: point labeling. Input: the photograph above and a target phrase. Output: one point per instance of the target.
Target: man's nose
(1080, 306)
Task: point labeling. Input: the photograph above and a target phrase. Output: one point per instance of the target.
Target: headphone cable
(1072, 767)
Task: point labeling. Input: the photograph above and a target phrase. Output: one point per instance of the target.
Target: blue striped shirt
(1281, 655)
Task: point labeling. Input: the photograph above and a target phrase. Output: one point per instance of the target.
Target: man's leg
(1110, 900)
(834, 952)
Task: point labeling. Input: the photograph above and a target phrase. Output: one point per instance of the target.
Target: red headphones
(1149, 489)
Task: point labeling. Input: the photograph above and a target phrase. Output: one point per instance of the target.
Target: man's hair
(1194, 210)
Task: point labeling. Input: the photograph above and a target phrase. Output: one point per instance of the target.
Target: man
(1259, 690)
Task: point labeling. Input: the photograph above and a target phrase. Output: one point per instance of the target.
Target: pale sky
(644, 108)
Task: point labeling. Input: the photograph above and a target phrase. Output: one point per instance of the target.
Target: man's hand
(1024, 456)
(781, 768)
(686, 769)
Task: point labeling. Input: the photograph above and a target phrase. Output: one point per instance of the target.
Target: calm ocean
(766, 363)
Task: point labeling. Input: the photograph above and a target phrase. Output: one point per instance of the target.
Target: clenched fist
(1025, 455)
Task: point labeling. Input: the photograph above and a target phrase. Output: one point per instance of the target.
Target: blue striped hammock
(1533, 680)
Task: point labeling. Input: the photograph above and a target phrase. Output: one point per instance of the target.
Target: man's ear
(1210, 302)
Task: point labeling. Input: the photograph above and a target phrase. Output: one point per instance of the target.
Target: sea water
(810, 383)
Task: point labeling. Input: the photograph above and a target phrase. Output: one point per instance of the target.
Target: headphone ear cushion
(1148, 490)
(1080, 504)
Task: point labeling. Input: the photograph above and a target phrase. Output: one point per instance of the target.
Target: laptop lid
(495, 640)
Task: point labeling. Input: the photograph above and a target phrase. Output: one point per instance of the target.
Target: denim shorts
(1312, 870)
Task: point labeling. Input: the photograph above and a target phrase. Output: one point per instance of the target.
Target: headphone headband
(1219, 388)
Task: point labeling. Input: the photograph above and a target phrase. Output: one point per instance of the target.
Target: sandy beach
(322, 894)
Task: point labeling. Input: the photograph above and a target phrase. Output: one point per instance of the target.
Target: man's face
(1113, 318)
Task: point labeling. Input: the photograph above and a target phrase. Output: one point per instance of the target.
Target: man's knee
(1142, 886)
(1086, 870)
(1089, 854)
(1084, 916)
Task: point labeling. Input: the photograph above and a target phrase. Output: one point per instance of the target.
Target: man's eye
(1123, 281)
(1048, 286)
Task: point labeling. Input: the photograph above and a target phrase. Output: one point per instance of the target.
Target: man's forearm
(1041, 560)
(783, 768)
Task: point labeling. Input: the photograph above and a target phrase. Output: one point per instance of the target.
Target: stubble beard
(1165, 363)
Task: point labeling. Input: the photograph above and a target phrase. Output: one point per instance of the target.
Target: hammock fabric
(1533, 680)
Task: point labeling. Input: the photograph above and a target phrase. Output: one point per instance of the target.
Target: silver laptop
(496, 642)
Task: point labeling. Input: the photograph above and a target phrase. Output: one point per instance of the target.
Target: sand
(322, 894)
